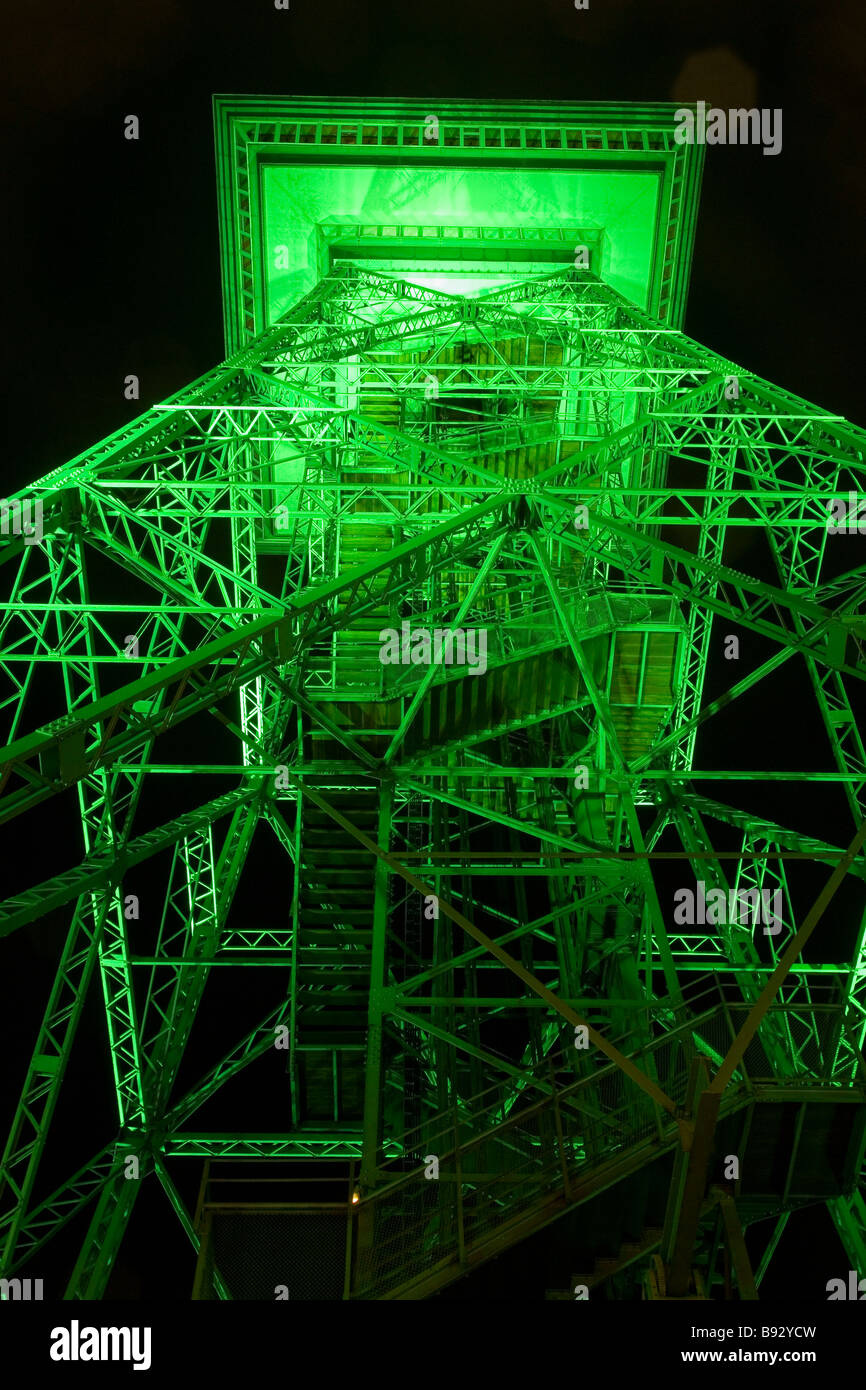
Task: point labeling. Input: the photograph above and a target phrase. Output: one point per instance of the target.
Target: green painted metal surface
(431, 418)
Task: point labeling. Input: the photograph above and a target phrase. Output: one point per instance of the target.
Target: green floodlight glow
(433, 419)
(439, 200)
(294, 178)
(453, 283)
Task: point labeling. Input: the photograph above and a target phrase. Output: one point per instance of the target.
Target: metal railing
(491, 1163)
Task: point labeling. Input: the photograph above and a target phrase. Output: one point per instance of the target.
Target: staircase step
(334, 1026)
(325, 915)
(323, 956)
(345, 891)
(316, 937)
(348, 889)
(310, 995)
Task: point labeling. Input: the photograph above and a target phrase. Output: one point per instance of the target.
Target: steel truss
(267, 522)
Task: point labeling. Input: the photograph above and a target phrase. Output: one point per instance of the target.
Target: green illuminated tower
(445, 876)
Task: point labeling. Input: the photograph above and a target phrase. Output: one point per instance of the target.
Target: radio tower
(467, 926)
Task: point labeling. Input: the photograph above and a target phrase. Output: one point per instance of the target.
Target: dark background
(112, 268)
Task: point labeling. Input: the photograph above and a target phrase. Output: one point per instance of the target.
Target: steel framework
(455, 868)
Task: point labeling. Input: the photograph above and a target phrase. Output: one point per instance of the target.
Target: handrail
(419, 1135)
(418, 1231)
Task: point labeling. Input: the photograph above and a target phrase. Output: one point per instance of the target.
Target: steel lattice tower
(457, 397)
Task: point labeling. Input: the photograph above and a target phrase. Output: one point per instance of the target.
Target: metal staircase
(507, 1170)
(605, 1266)
(333, 955)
